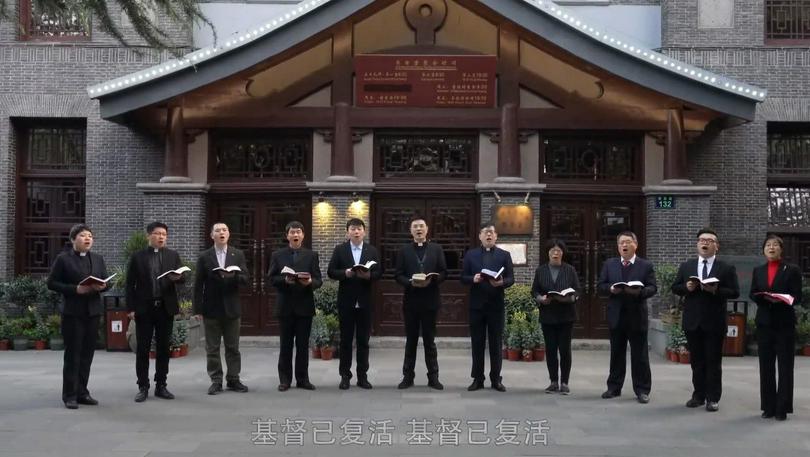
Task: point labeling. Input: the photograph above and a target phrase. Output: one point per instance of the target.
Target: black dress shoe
(435, 384)
(344, 383)
(236, 386)
(216, 388)
(283, 387)
(405, 383)
(766, 415)
(71, 404)
(553, 387)
(780, 417)
(476, 385)
(694, 403)
(712, 406)
(499, 386)
(364, 384)
(610, 394)
(87, 400)
(143, 392)
(564, 390)
(643, 398)
(305, 385)
(162, 392)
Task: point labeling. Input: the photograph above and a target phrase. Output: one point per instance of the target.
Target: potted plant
(17, 329)
(526, 342)
(178, 336)
(539, 344)
(514, 341)
(5, 335)
(39, 334)
(332, 325)
(803, 337)
(683, 354)
(54, 324)
(668, 303)
(319, 336)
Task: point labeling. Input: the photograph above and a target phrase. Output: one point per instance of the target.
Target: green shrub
(136, 242)
(326, 297)
(319, 337)
(803, 333)
(54, 324)
(25, 291)
(519, 298)
(179, 334)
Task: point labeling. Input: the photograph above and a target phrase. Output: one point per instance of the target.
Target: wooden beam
(508, 65)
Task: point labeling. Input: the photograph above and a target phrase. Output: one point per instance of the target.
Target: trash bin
(117, 320)
(734, 344)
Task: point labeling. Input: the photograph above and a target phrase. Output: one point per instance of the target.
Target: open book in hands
(630, 284)
(422, 277)
(230, 269)
(489, 274)
(706, 282)
(178, 271)
(289, 272)
(93, 281)
(363, 266)
(784, 298)
(560, 294)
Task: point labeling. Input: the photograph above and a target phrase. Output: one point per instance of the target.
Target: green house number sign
(664, 202)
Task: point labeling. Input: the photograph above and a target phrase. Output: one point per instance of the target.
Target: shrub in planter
(5, 333)
(178, 336)
(683, 355)
(319, 336)
(54, 324)
(39, 334)
(327, 352)
(518, 298)
(326, 298)
(803, 336)
(17, 331)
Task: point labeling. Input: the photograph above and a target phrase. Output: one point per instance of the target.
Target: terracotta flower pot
(673, 356)
(505, 353)
(5, 345)
(327, 352)
(40, 345)
(175, 353)
(513, 354)
(539, 354)
(316, 353)
(806, 350)
(152, 354)
(684, 357)
(184, 350)
(527, 355)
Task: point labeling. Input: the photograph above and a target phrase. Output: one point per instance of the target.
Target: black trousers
(706, 358)
(558, 340)
(80, 334)
(776, 347)
(639, 360)
(420, 321)
(294, 331)
(354, 322)
(483, 325)
(156, 322)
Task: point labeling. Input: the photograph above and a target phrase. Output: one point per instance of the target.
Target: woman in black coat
(776, 328)
(557, 313)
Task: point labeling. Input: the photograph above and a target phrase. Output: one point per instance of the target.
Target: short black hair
(775, 237)
(77, 229)
(707, 230)
(417, 217)
(293, 225)
(487, 224)
(219, 223)
(556, 243)
(357, 222)
(155, 225)
(627, 233)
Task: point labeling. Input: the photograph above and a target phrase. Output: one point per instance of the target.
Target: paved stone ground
(33, 421)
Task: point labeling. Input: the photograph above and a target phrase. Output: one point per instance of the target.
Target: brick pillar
(183, 207)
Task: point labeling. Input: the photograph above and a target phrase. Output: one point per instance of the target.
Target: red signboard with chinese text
(425, 81)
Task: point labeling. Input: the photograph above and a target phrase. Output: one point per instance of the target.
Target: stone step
(399, 342)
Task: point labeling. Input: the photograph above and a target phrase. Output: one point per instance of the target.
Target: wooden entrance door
(452, 222)
(589, 228)
(257, 228)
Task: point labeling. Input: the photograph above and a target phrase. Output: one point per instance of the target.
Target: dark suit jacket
(353, 290)
(294, 299)
(139, 282)
(66, 274)
(483, 295)
(215, 296)
(702, 309)
(408, 264)
(788, 280)
(625, 308)
(556, 312)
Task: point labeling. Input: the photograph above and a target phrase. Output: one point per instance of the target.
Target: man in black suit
(421, 300)
(216, 299)
(627, 316)
(295, 305)
(704, 316)
(354, 299)
(487, 305)
(81, 308)
(153, 304)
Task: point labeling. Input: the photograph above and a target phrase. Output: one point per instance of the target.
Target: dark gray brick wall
(185, 214)
(679, 23)
(329, 222)
(523, 273)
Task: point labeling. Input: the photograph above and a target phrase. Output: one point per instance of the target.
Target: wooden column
(176, 164)
(342, 166)
(675, 149)
(508, 144)
(342, 144)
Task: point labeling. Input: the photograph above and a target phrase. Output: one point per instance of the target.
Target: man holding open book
(221, 270)
(355, 264)
(420, 269)
(706, 283)
(295, 272)
(488, 270)
(628, 281)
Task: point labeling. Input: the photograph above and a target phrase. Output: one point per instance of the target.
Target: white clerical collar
(82, 254)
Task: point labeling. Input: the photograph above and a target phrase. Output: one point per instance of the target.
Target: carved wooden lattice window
(787, 20)
(262, 155)
(70, 24)
(426, 155)
(589, 158)
(51, 190)
(789, 155)
(797, 251)
(789, 207)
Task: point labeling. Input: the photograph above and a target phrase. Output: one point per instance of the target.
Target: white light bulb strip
(201, 55)
(640, 52)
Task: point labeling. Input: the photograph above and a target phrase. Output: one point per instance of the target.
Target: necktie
(705, 269)
(625, 263)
